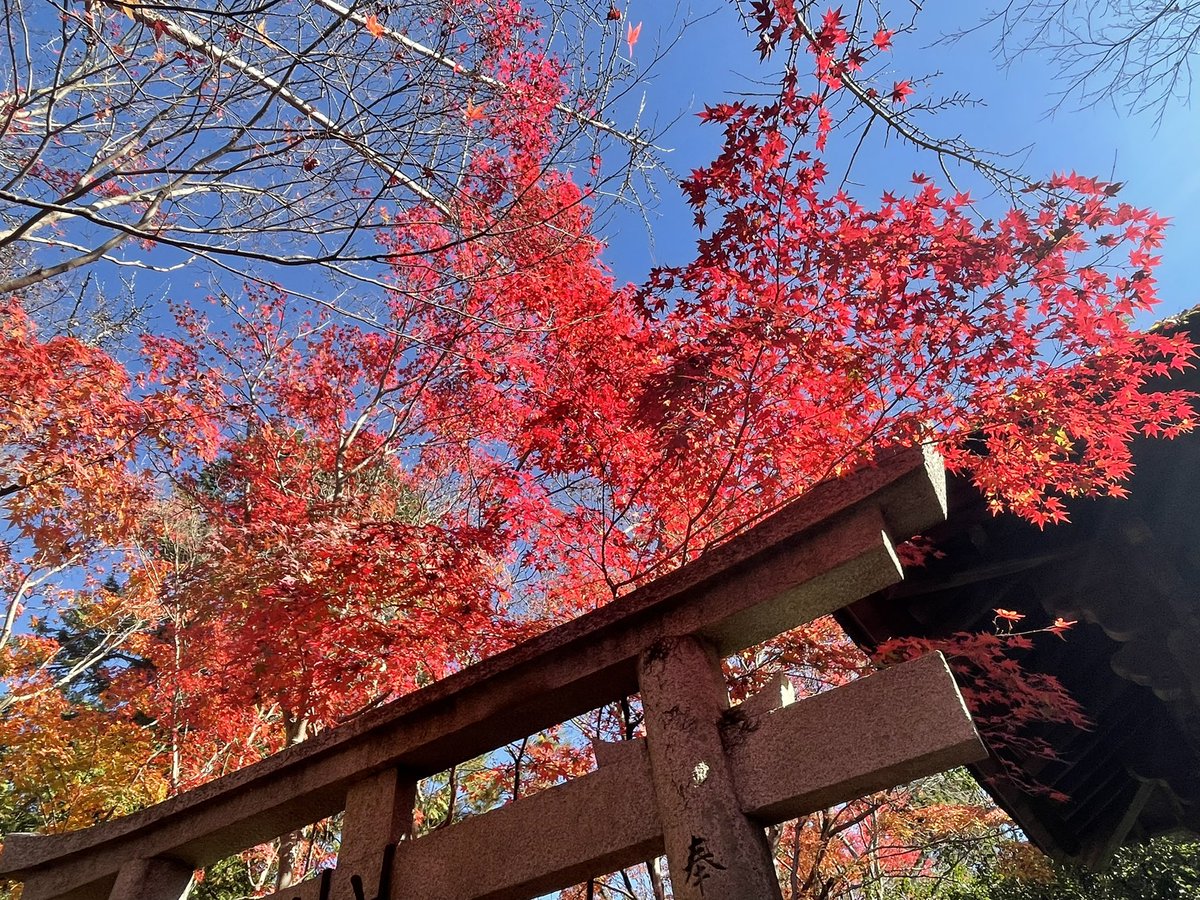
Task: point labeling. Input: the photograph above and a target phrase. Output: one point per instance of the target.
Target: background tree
(1137, 53)
(260, 137)
(1163, 868)
(498, 436)
(72, 433)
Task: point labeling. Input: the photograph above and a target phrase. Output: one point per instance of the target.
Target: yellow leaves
(260, 31)
(1018, 859)
(76, 765)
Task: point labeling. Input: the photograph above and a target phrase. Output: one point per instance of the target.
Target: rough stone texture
(713, 851)
(40, 887)
(889, 728)
(379, 812)
(548, 841)
(319, 888)
(824, 550)
(152, 879)
(503, 855)
(775, 694)
(379, 815)
(609, 753)
(811, 754)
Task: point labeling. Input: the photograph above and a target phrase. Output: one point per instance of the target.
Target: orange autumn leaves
(77, 433)
(1007, 618)
(71, 426)
(74, 766)
(337, 514)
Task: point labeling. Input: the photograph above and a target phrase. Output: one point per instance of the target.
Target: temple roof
(1129, 571)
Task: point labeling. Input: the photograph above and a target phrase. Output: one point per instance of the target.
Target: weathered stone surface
(318, 888)
(152, 879)
(781, 768)
(821, 552)
(379, 812)
(714, 852)
(558, 837)
(775, 694)
(609, 752)
(891, 727)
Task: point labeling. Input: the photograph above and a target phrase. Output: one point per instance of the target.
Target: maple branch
(88, 213)
(100, 252)
(1142, 50)
(278, 89)
(26, 585)
(115, 260)
(899, 123)
(520, 756)
(452, 788)
(94, 657)
(448, 62)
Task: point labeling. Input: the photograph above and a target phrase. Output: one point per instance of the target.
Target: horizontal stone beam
(825, 550)
(891, 727)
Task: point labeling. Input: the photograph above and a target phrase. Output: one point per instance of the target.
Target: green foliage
(1162, 869)
(228, 879)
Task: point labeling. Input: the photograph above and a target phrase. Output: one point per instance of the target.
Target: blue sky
(714, 60)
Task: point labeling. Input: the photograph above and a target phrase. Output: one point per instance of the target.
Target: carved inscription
(700, 863)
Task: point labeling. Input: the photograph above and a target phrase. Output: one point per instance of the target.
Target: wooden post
(714, 851)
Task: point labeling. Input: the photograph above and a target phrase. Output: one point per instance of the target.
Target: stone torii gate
(700, 787)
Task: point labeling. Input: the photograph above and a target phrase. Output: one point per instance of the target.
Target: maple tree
(72, 433)
(308, 512)
(275, 135)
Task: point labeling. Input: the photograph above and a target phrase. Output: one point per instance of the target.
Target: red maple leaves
(632, 33)
(522, 439)
(606, 434)
(912, 307)
(901, 91)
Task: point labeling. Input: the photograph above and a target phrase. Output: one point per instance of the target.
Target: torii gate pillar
(714, 851)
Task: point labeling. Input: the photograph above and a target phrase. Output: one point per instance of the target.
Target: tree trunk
(295, 731)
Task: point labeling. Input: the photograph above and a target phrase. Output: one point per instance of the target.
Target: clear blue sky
(714, 59)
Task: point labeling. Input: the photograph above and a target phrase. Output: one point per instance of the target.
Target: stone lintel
(886, 729)
(893, 726)
(809, 578)
(318, 888)
(608, 753)
(152, 879)
(777, 693)
(591, 825)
